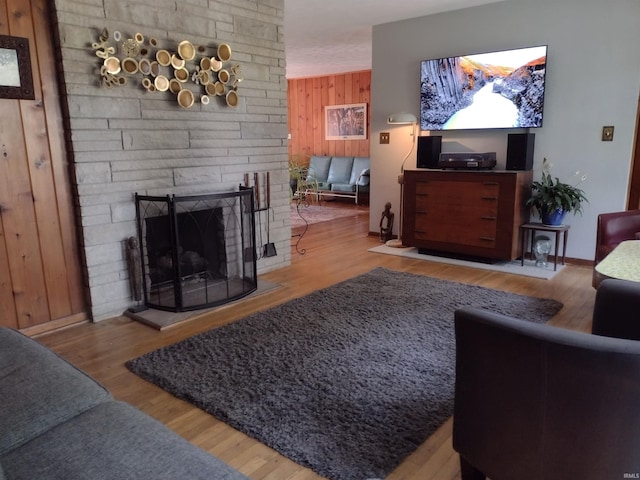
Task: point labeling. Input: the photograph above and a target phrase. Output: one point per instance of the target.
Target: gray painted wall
(126, 140)
(593, 79)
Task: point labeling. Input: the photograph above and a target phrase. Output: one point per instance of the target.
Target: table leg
(532, 237)
(523, 233)
(555, 259)
(564, 246)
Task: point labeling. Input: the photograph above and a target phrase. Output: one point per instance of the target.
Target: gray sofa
(538, 402)
(346, 177)
(58, 423)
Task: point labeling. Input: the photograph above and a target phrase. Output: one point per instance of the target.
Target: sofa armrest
(360, 165)
(39, 390)
(114, 441)
(364, 178)
(616, 309)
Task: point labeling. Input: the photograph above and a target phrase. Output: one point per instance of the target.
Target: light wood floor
(336, 251)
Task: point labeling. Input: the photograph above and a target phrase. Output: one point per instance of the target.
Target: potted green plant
(297, 173)
(553, 199)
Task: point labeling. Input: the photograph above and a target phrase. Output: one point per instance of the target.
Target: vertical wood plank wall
(40, 272)
(307, 98)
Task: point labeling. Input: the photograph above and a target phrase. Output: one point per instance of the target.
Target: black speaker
(429, 152)
(520, 151)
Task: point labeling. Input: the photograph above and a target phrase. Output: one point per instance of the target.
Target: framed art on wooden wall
(346, 122)
(16, 80)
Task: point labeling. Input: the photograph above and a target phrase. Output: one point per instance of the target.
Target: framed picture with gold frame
(16, 80)
(346, 122)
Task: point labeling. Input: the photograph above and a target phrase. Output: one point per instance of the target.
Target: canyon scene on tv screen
(491, 90)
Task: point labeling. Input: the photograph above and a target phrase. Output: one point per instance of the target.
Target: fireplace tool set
(269, 248)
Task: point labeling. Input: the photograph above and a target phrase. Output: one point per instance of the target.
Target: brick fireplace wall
(125, 140)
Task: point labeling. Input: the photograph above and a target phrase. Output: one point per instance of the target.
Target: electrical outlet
(607, 134)
(384, 138)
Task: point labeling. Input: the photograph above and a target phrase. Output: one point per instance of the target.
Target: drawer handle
(487, 239)
(490, 183)
(488, 218)
(490, 198)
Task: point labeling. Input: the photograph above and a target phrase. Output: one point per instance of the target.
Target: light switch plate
(607, 134)
(384, 138)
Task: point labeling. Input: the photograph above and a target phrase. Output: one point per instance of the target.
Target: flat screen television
(490, 90)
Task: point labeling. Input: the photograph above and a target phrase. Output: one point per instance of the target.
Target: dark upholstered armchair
(538, 402)
(611, 229)
(617, 310)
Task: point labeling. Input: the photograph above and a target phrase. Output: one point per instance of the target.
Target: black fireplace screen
(197, 251)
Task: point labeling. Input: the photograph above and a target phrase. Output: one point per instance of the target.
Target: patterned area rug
(348, 380)
(320, 213)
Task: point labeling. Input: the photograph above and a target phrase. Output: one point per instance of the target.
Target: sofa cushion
(114, 441)
(360, 164)
(343, 187)
(318, 169)
(340, 170)
(321, 186)
(39, 390)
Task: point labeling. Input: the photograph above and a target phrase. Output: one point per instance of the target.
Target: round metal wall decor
(187, 71)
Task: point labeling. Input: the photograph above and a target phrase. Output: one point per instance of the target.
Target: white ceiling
(323, 37)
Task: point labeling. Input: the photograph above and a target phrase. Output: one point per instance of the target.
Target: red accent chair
(612, 229)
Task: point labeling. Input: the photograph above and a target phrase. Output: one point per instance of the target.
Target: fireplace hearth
(196, 251)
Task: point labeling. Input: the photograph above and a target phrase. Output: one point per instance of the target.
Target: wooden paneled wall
(40, 273)
(307, 98)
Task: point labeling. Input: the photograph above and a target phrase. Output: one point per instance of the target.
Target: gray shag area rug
(348, 380)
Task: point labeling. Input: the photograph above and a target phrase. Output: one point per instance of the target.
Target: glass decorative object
(541, 250)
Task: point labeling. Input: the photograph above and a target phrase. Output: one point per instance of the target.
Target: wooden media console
(467, 213)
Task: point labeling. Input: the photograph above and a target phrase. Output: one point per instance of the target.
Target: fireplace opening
(196, 251)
